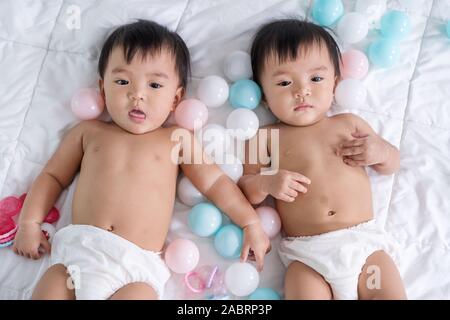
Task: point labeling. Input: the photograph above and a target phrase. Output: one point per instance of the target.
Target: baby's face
(139, 96)
(300, 92)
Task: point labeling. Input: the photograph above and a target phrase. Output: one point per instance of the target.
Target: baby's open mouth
(137, 114)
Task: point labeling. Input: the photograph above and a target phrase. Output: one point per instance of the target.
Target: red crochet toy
(10, 207)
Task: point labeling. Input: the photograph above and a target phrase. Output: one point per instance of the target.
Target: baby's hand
(364, 150)
(256, 244)
(29, 239)
(285, 185)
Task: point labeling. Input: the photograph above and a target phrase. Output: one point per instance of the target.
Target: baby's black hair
(283, 38)
(144, 37)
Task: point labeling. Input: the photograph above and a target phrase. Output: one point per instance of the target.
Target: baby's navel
(331, 213)
(110, 229)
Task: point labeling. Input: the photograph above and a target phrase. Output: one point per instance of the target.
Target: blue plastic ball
(228, 241)
(264, 294)
(448, 28)
(204, 219)
(327, 12)
(383, 53)
(245, 93)
(395, 25)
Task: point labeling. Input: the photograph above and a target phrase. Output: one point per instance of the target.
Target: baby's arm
(281, 184)
(45, 190)
(369, 149)
(225, 194)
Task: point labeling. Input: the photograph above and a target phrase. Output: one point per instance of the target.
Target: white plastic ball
(213, 91)
(188, 193)
(372, 9)
(241, 279)
(243, 123)
(238, 66)
(352, 27)
(215, 140)
(232, 167)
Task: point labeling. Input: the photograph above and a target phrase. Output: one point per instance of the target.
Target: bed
(49, 49)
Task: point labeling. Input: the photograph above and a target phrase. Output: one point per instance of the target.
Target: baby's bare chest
(134, 155)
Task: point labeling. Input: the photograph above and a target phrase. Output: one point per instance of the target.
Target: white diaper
(101, 262)
(338, 256)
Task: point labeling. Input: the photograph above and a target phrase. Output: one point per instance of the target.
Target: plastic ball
(245, 93)
(213, 91)
(448, 29)
(191, 114)
(241, 278)
(352, 27)
(181, 255)
(204, 219)
(394, 25)
(48, 230)
(215, 140)
(87, 103)
(372, 9)
(238, 66)
(383, 53)
(188, 193)
(270, 220)
(232, 167)
(228, 241)
(350, 93)
(243, 123)
(327, 12)
(355, 64)
(264, 294)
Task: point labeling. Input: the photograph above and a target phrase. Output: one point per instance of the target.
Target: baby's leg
(380, 279)
(54, 285)
(304, 283)
(135, 291)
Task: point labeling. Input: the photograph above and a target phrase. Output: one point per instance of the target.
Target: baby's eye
(121, 82)
(284, 83)
(316, 79)
(155, 85)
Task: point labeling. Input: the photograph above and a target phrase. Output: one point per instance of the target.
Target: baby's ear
(102, 88)
(336, 82)
(179, 94)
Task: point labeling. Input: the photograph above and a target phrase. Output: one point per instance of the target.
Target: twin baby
(123, 202)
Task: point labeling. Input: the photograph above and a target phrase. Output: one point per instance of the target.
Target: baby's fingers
(351, 151)
(300, 178)
(259, 261)
(244, 252)
(297, 186)
(354, 163)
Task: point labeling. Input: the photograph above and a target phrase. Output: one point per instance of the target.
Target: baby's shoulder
(347, 119)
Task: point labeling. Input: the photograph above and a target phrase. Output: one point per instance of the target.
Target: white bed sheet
(43, 63)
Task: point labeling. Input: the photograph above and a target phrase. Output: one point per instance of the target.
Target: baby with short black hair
(123, 202)
(333, 247)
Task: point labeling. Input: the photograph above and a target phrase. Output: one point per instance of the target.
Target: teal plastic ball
(228, 241)
(448, 28)
(204, 219)
(383, 53)
(264, 294)
(327, 12)
(245, 93)
(395, 25)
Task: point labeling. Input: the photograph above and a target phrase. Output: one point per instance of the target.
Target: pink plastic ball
(87, 103)
(191, 113)
(181, 255)
(355, 64)
(270, 220)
